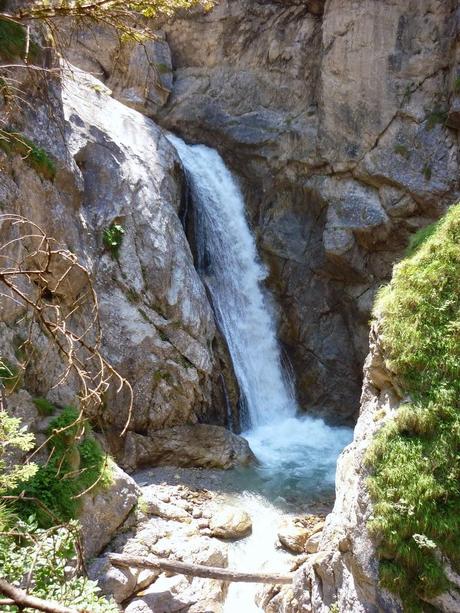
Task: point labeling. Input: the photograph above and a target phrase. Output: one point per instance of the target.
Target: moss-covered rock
(415, 458)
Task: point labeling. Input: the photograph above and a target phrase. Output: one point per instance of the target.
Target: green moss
(185, 362)
(13, 42)
(427, 172)
(16, 143)
(456, 86)
(401, 150)
(420, 237)
(144, 315)
(132, 296)
(44, 406)
(76, 463)
(161, 375)
(162, 68)
(415, 458)
(437, 116)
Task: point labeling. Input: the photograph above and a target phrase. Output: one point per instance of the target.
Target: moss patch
(76, 463)
(36, 157)
(13, 42)
(44, 406)
(415, 458)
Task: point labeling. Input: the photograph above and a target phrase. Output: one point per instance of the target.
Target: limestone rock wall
(113, 165)
(340, 119)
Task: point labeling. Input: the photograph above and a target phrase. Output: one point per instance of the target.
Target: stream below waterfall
(297, 454)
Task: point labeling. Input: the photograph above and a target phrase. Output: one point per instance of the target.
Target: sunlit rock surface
(115, 166)
(340, 119)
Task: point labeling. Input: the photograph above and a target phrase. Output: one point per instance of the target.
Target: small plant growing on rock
(13, 41)
(113, 238)
(427, 172)
(10, 377)
(456, 86)
(402, 150)
(437, 116)
(44, 406)
(36, 157)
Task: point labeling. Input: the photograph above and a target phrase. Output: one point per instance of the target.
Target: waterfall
(297, 454)
(233, 274)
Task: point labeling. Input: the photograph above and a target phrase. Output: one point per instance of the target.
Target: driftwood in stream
(22, 599)
(197, 570)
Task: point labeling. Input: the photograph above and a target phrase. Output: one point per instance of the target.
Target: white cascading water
(228, 262)
(297, 455)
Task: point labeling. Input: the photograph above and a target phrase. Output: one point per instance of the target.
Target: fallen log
(197, 570)
(22, 599)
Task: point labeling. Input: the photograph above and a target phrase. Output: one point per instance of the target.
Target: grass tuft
(415, 458)
(36, 157)
(44, 406)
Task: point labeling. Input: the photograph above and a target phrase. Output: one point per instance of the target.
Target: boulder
(313, 542)
(293, 537)
(120, 583)
(199, 445)
(155, 506)
(295, 533)
(230, 523)
(104, 509)
(177, 541)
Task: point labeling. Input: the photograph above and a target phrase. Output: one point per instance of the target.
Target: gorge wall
(112, 165)
(335, 116)
(340, 120)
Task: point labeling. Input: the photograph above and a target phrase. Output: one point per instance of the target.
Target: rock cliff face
(343, 575)
(344, 571)
(113, 165)
(339, 118)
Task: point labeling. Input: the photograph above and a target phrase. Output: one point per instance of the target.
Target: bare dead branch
(58, 296)
(20, 598)
(198, 570)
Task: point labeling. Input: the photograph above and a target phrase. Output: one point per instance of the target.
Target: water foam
(297, 454)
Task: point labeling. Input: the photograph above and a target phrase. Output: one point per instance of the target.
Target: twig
(20, 598)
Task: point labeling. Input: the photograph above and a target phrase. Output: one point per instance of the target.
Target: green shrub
(113, 237)
(49, 553)
(13, 436)
(76, 462)
(36, 157)
(415, 458)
